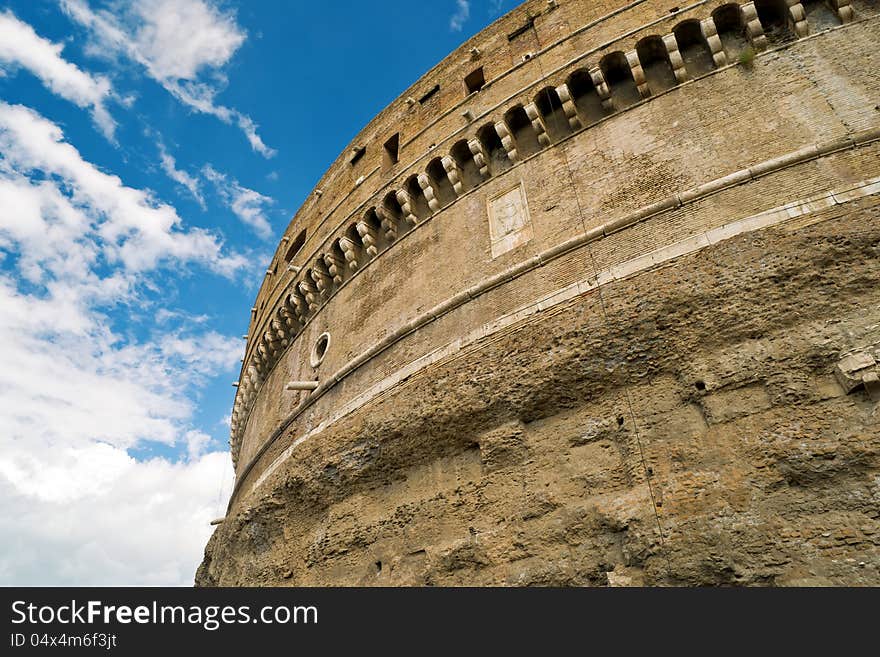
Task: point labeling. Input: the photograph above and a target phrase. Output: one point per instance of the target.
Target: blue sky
(151, 154)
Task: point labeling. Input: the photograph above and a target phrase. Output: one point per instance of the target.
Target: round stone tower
(595, 302)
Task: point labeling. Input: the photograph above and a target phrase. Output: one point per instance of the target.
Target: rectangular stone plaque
(509, 222)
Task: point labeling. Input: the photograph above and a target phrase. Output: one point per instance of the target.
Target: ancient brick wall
(667, 218)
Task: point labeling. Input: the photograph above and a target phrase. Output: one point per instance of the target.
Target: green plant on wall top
(747, 58)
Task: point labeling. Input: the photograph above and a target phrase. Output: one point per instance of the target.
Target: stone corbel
(476, 149)
(568, 107)
(537, 124)
(754, 29)
(710, 33)
(296, 301)
(798, 17)
(507, 141)
(843, 9)
(334, 268)
(278, 329)
(322, 280)
(675, 59)
(310, 293)
(602, 89)
(635, 66)
(452, 173)
(368, 237)
(288, 316)
(428, 191)
(389, 225)
(348, 250)
(406, 207)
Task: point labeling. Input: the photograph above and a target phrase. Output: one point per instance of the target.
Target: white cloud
(191, 183)
(81, 254)
(182, 44)
(21, 46)
(246, 204)
(461, 15)
(142, 523)
(129, 224)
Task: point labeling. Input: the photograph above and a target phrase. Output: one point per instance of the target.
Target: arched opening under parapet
(523, 131)
(731, 30)
(418, 202)
(355, 238)
(695, 52)
(443, 189)
(619, 78)
(494, 149)
(467, 168)
(585, 97)
(550, 108)
(655, 63)
(775, 19)
(820, 15)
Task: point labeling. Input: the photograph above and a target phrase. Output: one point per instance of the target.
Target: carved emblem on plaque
(509, 221)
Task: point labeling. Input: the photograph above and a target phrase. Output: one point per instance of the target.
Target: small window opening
(474, 81)
(424, 99)
(295, 246)
(357, 153)
(391, 151)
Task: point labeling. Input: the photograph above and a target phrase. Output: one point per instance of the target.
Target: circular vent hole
(320, 349)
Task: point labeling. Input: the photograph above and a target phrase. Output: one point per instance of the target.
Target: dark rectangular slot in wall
(522, 30)
(424, 99)
(474, 81)
(391, 151)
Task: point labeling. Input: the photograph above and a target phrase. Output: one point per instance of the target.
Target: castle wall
(627, 165)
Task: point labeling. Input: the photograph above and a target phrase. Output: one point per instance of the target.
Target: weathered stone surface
(758, 492)
(666, 376)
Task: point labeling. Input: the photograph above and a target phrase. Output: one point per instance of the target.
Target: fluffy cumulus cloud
(48, 188)
(81, 391)
(21, 46)
(246, 204)
(181, 44)
(120, 522)
(461, 15)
